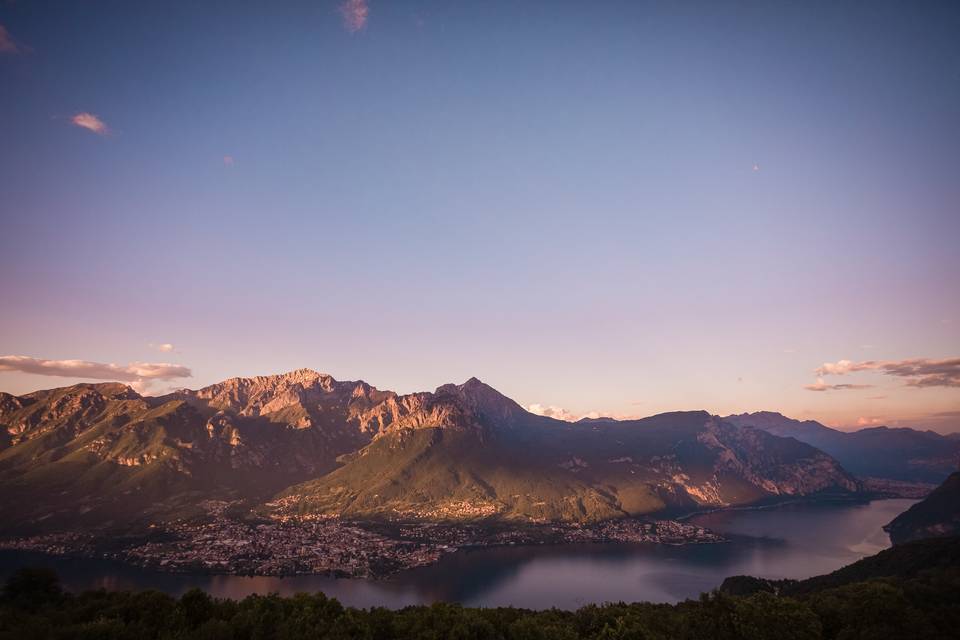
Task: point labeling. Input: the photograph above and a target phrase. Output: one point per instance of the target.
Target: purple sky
(612, 207)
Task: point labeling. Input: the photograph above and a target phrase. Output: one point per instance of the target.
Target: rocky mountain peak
(116, 391)
(306, 377)
(482, 399)
(775, 423)
(763, 415)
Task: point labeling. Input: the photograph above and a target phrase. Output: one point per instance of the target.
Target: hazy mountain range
(303, 443)
(875, 452)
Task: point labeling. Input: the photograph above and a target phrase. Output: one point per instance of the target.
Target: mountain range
(876, 452)
(304, 444)
(473, 452)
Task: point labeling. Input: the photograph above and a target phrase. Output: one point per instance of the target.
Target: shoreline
(365, 550)
(355, 551)
(787, 503)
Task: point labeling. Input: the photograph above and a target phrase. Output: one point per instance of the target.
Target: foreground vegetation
(909, 592)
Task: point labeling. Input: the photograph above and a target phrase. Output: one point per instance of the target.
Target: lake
(790, 541)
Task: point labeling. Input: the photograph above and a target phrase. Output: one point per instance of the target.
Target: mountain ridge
(102, 453)
(540, 469)
(891, 453)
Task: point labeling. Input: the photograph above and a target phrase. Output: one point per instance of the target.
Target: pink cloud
(355, 14)
(7, 45)
(228, 161)
(138, 374)
(842, 367)
(90, 122)
(919, 372)
(94, 370)
(553, 412)
(559, 413)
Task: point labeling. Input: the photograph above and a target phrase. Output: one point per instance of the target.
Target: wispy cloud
(842, 367)
(7, 44)
(946, 414)
(164, 347)
(90, 122)
(138, 374)
(919, 372)
(821, 385)
(228, 161)
(864, 421)
(355, 14)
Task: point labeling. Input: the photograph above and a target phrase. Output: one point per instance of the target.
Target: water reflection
(793, 541)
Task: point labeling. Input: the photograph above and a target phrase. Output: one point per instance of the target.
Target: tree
(32, 588)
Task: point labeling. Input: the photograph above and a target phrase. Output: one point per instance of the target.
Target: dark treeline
(917, 604)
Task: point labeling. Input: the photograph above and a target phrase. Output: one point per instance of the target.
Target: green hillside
(505, 465)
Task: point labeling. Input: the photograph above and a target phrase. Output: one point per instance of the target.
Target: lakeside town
(227, 545)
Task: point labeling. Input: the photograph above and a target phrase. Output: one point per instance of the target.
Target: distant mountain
(489, 457)
(937, 515)
(98, 455)
(878, 452)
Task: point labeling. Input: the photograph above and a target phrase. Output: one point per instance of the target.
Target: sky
(599, 208)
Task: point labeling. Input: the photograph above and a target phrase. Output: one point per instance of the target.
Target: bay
(789, 541)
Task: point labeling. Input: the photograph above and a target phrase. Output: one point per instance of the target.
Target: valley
(300, 473)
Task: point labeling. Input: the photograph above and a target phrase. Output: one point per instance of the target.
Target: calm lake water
(792, 541)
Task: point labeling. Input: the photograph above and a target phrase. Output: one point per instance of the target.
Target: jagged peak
(481, 399)
(473, 384)
(306, 377)
(296, 375)
(472, 388)
(771, 419)
(762, 413)
(769, 415)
